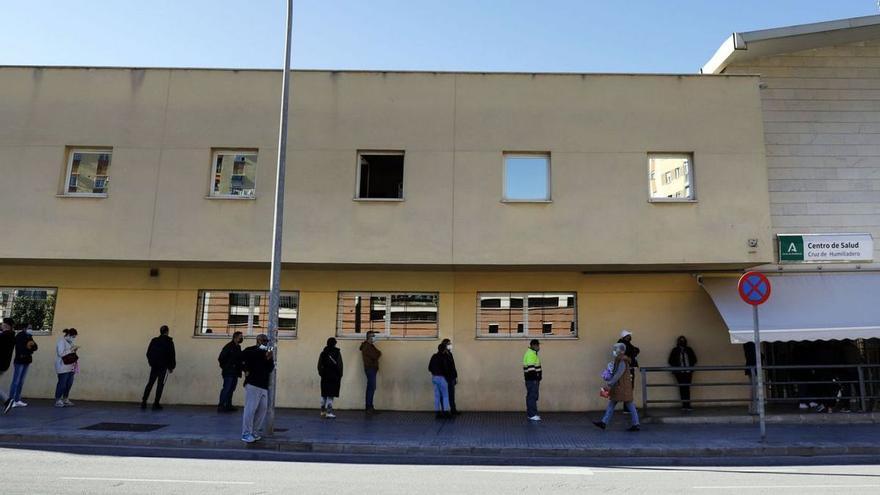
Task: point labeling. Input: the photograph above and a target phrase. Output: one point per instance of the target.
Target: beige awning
(829, 306)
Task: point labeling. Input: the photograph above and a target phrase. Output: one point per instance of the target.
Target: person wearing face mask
(258, 364)
(230, 366)
(620, 387)
(7, 349)
(162, 360)
(66, 366)
(24, 351)
(451, 375)
(682, 356)
(371, 355)
(437, 368)
(533, 373)
(330, 371)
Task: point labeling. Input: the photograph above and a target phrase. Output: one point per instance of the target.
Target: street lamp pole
(275, 277)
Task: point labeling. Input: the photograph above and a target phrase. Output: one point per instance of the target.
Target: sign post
(754, 288)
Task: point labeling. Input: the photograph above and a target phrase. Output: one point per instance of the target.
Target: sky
(674, 36)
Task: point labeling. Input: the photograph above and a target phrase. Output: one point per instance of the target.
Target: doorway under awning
(803, 307)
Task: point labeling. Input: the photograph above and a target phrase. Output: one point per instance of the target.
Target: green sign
(791, 247)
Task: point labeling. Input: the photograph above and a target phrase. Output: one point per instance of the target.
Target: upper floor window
(526, 177)
(223, 312)
(234, 174)
(88, 172)
(392, 314)
(380, 175)
(29, 307)
(676, 173)
(526, 315)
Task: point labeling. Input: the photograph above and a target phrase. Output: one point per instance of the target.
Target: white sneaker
(59, 403)
(19, 403)
(248, 439)
(803, 405)
(535, 418)
(67, 403)
(330, 415)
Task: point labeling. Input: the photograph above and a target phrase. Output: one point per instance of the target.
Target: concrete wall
(163, 124)
(118, 309)
(822, 131)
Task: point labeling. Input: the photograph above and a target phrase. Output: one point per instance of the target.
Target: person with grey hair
(258, 364)
(620, 389)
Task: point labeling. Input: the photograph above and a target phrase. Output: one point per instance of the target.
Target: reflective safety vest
(532, 365)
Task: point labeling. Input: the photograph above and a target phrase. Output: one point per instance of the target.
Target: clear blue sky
(490, 35)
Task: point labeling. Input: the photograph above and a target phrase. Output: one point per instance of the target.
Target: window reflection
(670, 176)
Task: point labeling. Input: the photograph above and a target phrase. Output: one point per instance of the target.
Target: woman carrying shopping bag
(620, 389)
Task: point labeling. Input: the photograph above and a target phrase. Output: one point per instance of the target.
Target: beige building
(484, 208)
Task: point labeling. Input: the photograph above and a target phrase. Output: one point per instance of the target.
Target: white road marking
(150, 480)
(764, 487)
(577, 471)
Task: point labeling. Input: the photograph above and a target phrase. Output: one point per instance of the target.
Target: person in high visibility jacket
(532, 374)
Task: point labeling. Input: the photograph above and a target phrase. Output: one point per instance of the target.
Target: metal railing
(861, 380)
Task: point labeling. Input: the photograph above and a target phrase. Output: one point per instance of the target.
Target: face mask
(264, 347)
(29, 331)
(449, 347)
(69, 339)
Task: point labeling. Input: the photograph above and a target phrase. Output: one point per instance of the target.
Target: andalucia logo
(791, 248)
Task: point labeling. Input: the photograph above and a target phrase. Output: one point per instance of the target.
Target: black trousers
(684, 380)
(451, 387)
(156, 374)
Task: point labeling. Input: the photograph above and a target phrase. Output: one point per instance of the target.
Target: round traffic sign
(754, 288)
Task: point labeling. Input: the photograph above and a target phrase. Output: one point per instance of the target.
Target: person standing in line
(682, 356)
(24, 351)
(66, 366)
(620, 388)
(162, 360)
(451, 375)
(7, 349)
(330, 371)
(230, 366)
(437, 368)
(371, 355)
(258, 364)
(533, 374)
(632, 353)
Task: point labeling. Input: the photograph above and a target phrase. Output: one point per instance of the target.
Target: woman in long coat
(620, 387)
(330, 370)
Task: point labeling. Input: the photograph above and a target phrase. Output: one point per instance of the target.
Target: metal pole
(275, 277)
(760, 375)
(644, 392)
(862, 390)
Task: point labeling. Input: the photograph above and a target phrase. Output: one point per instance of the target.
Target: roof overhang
(740, 47)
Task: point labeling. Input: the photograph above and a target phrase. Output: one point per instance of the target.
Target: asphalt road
(37, 472)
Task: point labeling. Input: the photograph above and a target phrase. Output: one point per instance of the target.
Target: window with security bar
(224, 312)
(395, 315)
(29, 307)
(526, 315)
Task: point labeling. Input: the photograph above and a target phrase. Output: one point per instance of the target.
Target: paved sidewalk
(506, 435)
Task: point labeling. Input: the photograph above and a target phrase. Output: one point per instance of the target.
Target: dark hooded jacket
(160, 353)
(330, 371)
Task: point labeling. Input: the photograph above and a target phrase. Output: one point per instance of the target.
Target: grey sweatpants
(255, 400)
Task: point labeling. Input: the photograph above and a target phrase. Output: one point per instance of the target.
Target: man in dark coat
(7, 348)
(230, 366)
(451, 374)
(161, 358)
(25, 346)
(258, 365)
(330, 371)
(682, 356)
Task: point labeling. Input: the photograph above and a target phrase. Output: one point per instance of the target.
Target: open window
(380, 175)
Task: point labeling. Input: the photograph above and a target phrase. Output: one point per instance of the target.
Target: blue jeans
(229, 384)
(371, 386)
(532, 387)
(630, 406)
(65, 382)
(441, 394)
(18, 375)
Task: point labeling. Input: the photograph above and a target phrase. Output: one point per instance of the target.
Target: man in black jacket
(258, 364)
(451, 374)
(230, 366)
(682, 356)
(25, 346)
(7, 348)
(161, 358)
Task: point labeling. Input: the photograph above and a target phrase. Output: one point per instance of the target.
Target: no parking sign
(754, 288)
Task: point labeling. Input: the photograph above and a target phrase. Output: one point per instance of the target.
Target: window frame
(35, 288)
(386, 335)
(71, 151)
(523, 319)
(212, 172)
(526, 154)
(689, 186)
(357, 175)
(247, 329)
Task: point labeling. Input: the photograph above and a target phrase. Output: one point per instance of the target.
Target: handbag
(604, 393)
(69, 358)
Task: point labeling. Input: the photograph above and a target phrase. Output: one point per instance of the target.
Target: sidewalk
(506, 435)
